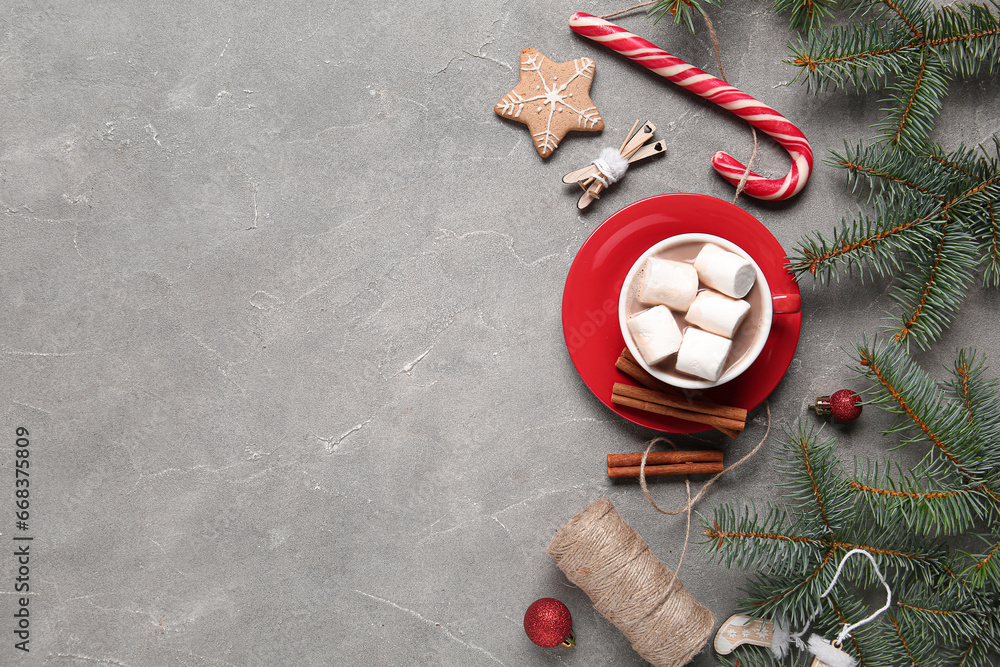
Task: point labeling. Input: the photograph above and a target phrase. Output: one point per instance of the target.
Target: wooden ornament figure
(611, 164)
(740, 629)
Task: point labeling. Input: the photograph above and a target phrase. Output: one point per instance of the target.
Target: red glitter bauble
(548, 623)
(844, 405)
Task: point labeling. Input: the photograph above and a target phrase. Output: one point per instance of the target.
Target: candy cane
(719, 92)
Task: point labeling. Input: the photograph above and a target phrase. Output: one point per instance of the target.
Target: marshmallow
(717, 313)
(668, 283)
(702, 354)
(655, 333)
(731, 274)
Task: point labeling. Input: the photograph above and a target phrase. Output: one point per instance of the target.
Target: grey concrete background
(281, 302)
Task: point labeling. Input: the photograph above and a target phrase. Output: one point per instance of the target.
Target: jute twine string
(687, 483)
(722, 74)
(691, 503)
(627, 9)
(603, 555)
(599, 552)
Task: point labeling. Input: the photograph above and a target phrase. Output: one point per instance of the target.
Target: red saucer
(594, 283)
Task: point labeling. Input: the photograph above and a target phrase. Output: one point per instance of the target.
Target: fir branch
(944, 160)
(815, 489)
(867, 244)
(930, 506)
(735, 536)
(911, 14)
(807, 15)
(976, 654)
(907, 557)
(950, 622)
(964, 374)
(951, 609)
(914, 102)
(986, 567)
(983, 192)
(968, 36)
(978, 205)
(978, 395)
(869, 644)
(860, 57)
(900, 387)
(969, 165)
(931, 295)
(905, 649)
(681, 11)
(908, 48)
(891, 174)
(991, 262)
(794, 597)
(944, 610)
(933, 227)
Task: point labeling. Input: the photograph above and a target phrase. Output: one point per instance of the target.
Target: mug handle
(786, 303)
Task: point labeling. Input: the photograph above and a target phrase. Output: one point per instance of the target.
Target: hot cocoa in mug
(728, 326)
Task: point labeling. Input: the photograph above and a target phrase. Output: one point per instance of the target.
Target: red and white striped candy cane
(714, 90)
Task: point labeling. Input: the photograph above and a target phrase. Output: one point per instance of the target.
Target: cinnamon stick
(676, 469)
(681, 403)
(627, 364)
(730, 432)
(730, 427)
(627, 353)
(662, 458)
(640, 375)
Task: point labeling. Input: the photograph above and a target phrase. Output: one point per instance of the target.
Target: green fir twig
(945, 600)
(682, 12)
(933, 228)
(906, 48)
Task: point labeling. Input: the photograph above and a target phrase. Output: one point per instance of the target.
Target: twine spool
(602, 554)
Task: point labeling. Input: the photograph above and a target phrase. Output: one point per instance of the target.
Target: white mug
(763, 305)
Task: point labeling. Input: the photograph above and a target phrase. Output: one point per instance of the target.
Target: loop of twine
(722, 74)
(848, 627)
(687, 482)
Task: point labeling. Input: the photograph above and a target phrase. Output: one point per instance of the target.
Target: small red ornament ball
(548, 623)
(842, 405)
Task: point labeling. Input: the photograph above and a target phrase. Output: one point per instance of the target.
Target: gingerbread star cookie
(552, 99)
